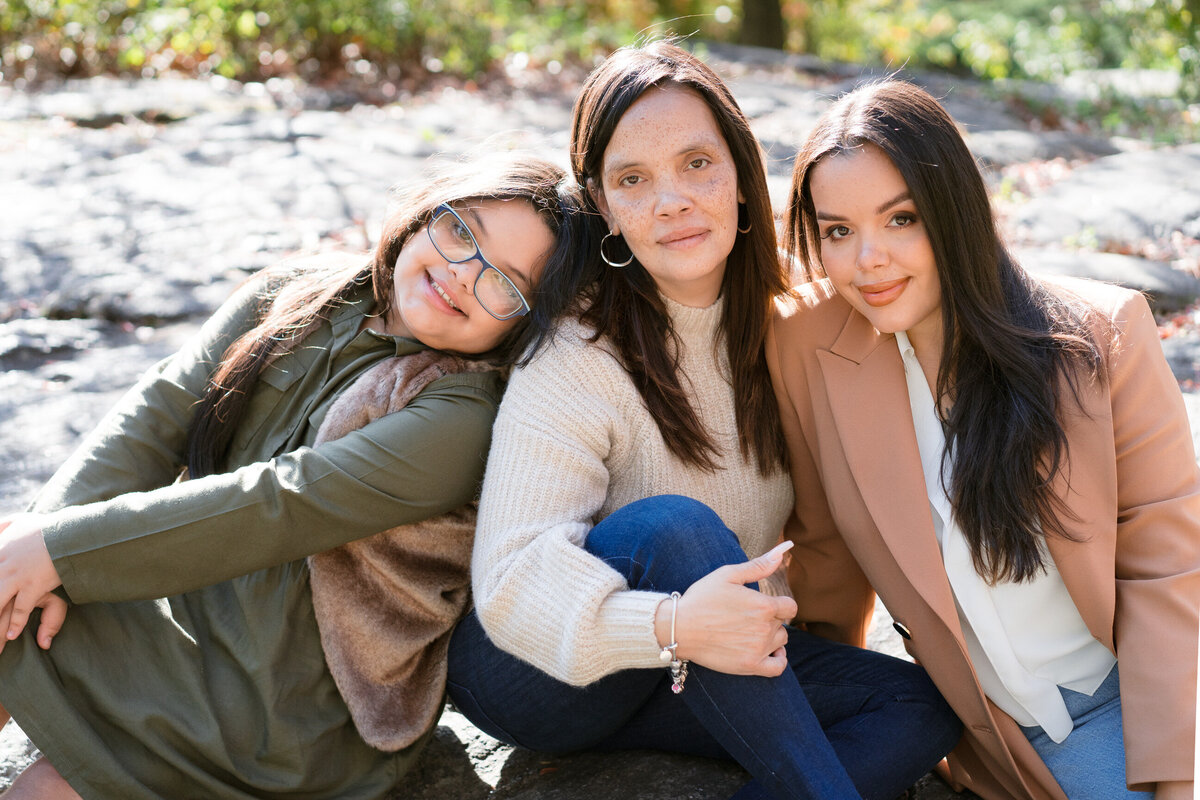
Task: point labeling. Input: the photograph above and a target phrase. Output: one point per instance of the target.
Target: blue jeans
(1090, 762)
(842, 723)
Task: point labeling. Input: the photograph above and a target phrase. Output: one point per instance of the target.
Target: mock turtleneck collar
(692, 323)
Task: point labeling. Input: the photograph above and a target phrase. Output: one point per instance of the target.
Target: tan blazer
(862, 524)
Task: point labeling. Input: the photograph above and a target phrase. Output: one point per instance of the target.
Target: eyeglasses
(498, 295)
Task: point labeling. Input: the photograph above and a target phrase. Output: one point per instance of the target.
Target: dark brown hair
(299, 295)
(624, 304)
(1011, 345)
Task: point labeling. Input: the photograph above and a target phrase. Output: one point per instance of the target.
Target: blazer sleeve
(833, 597)
(1157, 553)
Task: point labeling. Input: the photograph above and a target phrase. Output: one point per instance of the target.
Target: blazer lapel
(868, 396)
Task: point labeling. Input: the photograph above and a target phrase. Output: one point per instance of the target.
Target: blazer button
(902, 630)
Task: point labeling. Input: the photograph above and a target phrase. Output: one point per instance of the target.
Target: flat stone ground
(133, 209)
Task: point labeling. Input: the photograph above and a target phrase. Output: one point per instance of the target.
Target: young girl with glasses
(1005, 459)
(330, 399)
(638, 463)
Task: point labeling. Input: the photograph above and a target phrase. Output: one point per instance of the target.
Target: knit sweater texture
(574, 442)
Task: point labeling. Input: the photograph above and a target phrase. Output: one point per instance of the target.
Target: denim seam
(698, 678)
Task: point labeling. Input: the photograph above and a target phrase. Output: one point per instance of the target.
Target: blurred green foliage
(392, 40)
(1005, 38)
(318, 39)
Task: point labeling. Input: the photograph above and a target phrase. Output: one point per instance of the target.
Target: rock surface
(133, 209)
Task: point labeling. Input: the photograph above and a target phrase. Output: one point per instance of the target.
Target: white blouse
(1025, 639)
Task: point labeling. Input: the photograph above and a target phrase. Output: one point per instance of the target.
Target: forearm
(408, 466)
(538, 592)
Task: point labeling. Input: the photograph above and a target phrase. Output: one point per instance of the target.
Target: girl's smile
(442, 294)
(434, 299)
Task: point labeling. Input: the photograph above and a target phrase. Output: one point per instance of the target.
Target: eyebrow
(882, 207)
(508, 269)
(698, 144)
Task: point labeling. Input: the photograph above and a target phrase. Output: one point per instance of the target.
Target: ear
(597, 193)
(741, 197)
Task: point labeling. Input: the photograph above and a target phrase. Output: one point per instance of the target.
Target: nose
(671, 199)
(872, 254)
(465, 272)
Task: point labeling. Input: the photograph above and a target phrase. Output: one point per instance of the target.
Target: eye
(903, 219)
(835, 232)
(630, 180)
(698, 163)
(461, 232)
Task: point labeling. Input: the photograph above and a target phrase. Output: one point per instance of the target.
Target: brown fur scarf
(386, 604)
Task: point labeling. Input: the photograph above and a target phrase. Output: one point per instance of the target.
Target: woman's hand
(723, 625)
(27, 576)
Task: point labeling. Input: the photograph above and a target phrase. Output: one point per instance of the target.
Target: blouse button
(902, 630)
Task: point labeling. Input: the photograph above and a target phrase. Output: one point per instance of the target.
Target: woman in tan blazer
(1035, 531)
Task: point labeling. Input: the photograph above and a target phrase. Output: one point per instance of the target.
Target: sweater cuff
(626, 626)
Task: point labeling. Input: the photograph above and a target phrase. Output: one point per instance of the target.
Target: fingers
(54, 613)
(758, 568)
(5, 615)
(785, 608)
(774, 664)
(18, 619)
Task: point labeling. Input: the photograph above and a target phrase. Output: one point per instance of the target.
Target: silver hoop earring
(604, 257)
(749, 225)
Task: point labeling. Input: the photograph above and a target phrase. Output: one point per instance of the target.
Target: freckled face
(669, 186)
(434, 300)
(875, 248)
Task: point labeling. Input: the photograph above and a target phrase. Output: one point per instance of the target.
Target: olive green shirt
(123, 529)
(191, 665)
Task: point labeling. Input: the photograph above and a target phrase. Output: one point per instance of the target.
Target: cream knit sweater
(572, 443)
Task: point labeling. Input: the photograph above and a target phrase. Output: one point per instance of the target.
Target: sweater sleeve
(418, 462)
(539, 594)
(1157, 553)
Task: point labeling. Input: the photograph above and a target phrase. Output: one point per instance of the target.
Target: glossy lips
(883, 292)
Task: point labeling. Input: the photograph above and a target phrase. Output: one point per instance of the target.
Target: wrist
(662, 622)
(669, 655)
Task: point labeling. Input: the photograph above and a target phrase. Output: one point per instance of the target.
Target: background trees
(403, 40)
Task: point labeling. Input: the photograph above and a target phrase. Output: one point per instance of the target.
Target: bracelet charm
(667, 655)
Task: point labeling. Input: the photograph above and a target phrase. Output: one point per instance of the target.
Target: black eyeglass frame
(440, 212)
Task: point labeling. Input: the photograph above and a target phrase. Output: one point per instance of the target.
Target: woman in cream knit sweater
(597, 578)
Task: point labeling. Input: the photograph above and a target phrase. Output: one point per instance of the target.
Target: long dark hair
(298, 295)
(624, 305)
(1011, 345)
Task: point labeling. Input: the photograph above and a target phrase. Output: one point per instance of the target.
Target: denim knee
(664, 543)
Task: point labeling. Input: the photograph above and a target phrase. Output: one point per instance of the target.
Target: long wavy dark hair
(624, 305)
(1014, 352)
(298, 295)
